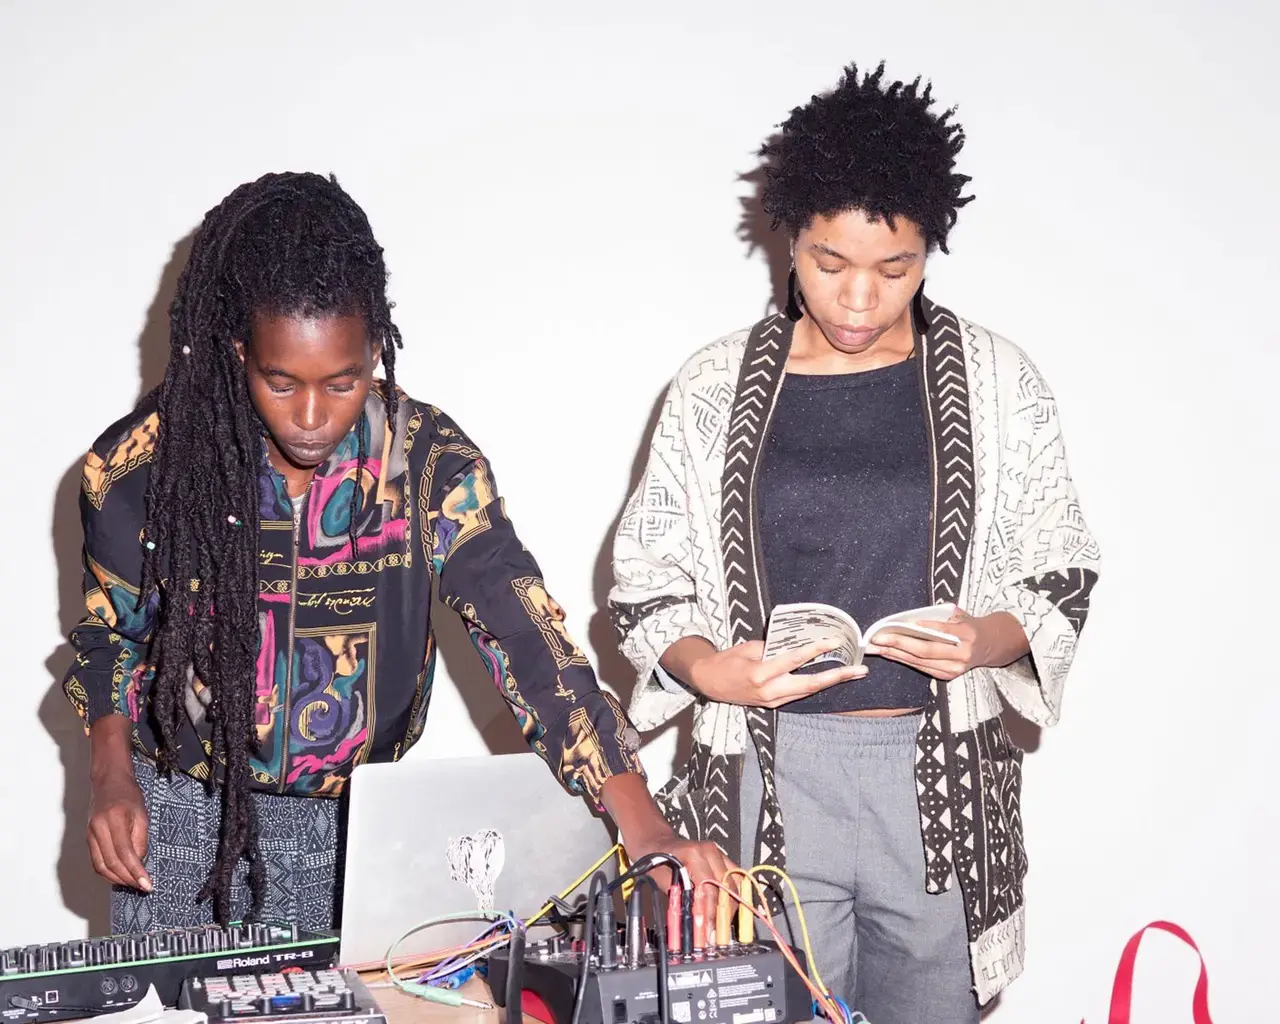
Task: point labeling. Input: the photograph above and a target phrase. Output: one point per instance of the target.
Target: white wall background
(557, 186)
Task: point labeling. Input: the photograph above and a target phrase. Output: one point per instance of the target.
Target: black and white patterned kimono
(1007, 534)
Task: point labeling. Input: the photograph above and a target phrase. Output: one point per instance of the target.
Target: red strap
(1122, 991)
(533, 1005)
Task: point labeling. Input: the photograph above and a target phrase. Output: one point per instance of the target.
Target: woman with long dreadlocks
(261, 538)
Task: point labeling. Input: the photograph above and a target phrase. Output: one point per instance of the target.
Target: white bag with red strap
(1122, 990)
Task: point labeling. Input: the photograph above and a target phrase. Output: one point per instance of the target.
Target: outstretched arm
(493, 582)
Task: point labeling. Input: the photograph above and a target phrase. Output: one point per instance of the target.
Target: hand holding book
(940, 641)
(988, 641)
(741, 675)
(793, 627)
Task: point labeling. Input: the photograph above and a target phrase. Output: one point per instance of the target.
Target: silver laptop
(412, 824)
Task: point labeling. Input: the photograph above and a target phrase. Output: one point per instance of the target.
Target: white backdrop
(559, 194)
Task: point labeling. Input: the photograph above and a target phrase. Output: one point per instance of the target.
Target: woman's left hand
(644, 830)
(989, 641)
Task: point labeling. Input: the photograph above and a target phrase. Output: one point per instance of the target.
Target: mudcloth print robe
(1007, 534)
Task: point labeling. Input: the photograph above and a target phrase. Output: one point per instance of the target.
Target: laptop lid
(413, 825)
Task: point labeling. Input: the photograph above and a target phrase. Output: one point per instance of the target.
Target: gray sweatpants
(847, 791)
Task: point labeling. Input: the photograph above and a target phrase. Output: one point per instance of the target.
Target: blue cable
(457, 979)
(850, 1016)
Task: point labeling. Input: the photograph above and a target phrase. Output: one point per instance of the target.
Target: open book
(792, 626)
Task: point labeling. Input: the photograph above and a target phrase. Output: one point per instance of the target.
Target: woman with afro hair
(869, 450)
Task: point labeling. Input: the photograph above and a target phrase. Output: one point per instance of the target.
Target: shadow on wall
(83, 892)
(614, 669)
(476, 688)
(755, 232)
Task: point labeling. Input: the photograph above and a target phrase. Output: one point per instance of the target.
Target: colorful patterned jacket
(347, 651)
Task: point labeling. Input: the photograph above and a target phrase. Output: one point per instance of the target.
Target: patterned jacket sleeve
(1052, 559)
(654, 601)
(112, 641)
(488, 577)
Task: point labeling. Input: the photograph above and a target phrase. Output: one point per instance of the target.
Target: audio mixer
(747, 983)
(316, 997)
(63, 981)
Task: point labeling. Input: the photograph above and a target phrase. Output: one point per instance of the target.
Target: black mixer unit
(738, 984)
(63, 981)
(313, 997)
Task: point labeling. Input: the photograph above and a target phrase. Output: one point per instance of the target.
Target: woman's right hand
(740, 676)
(117, 811)
(118, 833)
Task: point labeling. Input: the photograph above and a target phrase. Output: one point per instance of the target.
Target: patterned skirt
(300, 840)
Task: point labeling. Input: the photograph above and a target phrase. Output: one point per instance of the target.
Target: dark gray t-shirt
(844, 497)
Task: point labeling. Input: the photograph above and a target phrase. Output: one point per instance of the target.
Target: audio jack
(635, 927)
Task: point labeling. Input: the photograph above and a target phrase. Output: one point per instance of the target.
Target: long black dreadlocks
(284, 245)
(870, 146)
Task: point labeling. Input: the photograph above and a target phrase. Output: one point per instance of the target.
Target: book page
(908, 624)
(793, 626)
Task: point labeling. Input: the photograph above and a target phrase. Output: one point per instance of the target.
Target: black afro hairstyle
(867, 146)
